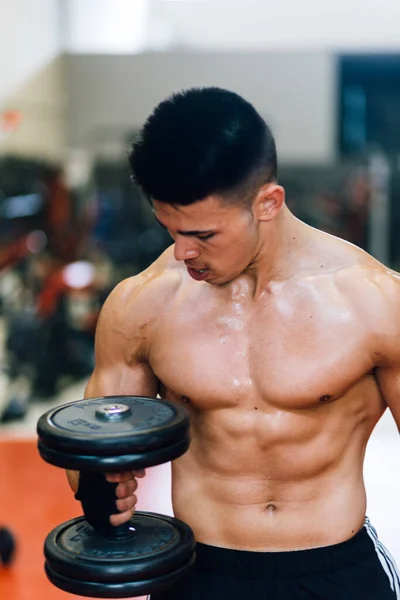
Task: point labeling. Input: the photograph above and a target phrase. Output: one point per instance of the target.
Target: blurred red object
(12, 254)
(10, 120)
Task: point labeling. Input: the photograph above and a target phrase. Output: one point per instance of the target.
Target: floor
(35, 497)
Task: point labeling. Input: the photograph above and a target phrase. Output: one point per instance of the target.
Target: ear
(268, 202)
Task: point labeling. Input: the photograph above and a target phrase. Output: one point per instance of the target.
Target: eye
(206, 237)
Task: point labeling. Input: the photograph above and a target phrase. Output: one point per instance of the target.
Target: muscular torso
(282, 401)
(282, 393)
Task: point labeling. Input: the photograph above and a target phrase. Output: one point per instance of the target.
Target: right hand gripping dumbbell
(87, 555)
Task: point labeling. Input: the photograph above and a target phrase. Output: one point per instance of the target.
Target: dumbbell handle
(98, 499)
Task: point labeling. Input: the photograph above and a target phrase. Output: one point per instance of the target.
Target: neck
(282, 242)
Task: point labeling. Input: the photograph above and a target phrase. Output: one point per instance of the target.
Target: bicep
(384, 322)
(389, 384)
(121, 366)
(122, 380)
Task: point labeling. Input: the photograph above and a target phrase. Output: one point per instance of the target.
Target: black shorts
(358, 569)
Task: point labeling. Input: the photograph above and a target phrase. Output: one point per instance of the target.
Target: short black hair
(200, 142)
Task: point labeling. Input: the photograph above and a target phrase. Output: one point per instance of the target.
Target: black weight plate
(108, 464)
(79, 428)
(160, 546)
(118, 590)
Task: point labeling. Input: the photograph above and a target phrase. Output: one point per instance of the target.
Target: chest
(291, 355)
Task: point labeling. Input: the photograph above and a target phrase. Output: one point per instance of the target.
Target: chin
(221, 281)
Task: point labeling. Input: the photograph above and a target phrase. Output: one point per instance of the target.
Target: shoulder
(370, 283)
(352, 267)
(382, 300)
(370, 291)
(374, 291)
(140, 298)
(362, 282)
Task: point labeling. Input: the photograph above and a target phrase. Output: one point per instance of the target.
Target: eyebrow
(193, 233)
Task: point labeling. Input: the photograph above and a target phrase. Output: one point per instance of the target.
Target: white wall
(277, 24)
(125, 26)
(105, 26)
(31, 79)
(29, 39)
(295, 92)
(41, 102)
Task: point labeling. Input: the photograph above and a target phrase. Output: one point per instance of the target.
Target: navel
(271, 508)
(325, 398)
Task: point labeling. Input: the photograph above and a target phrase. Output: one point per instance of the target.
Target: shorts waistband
(286, 564)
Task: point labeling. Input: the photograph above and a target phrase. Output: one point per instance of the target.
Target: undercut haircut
(202, 142)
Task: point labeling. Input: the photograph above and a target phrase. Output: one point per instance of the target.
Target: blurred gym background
(77, 80)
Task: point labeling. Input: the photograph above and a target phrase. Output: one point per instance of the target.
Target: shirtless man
(283, 342)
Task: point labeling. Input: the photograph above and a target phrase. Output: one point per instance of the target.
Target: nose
(185, 248)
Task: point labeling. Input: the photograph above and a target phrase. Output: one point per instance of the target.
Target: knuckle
(125, 489)
(114, 519)
(120, 504)
(121, 518)
(126, 503)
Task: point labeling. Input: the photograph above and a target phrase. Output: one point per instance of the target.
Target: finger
(125, 489)
(120, 477)
(121, 518)
(126, 504)
(141, 473)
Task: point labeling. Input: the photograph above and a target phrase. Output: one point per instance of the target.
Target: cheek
(234, 253)
(243, 243)
(232, 249)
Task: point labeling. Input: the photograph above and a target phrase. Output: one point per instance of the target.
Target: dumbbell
(88, 556)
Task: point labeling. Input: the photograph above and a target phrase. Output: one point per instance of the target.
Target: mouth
(197, 274)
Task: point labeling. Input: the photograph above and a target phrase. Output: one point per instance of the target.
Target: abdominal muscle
(256, 503)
